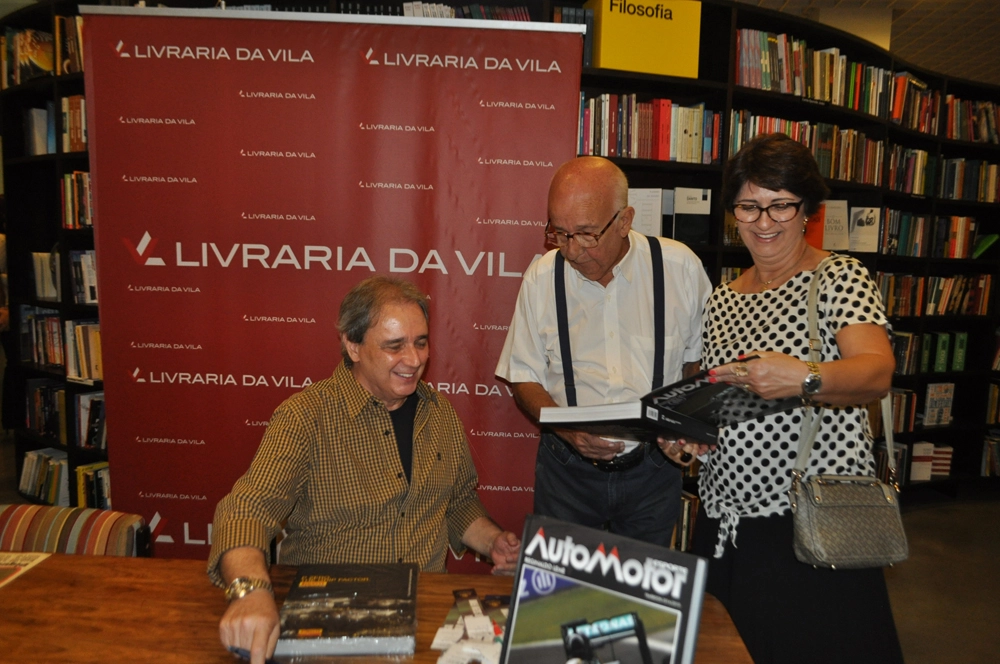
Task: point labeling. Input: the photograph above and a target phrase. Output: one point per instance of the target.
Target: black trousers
(788, 611)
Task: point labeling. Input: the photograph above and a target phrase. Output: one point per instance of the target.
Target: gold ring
(746, 386)
(741, 370)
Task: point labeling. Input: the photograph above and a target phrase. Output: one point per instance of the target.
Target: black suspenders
(659, 320)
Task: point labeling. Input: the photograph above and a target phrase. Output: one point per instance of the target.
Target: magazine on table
(587, 595)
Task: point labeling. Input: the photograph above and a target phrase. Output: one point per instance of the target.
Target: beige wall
(871, 23)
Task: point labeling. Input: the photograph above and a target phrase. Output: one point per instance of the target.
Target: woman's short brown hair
(776, 162)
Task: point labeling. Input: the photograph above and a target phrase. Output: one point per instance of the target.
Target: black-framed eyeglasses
(583, 239)
(779, 212)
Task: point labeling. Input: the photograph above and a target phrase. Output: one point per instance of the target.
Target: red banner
(249, 170)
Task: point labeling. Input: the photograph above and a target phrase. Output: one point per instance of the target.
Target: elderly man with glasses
(626, 318)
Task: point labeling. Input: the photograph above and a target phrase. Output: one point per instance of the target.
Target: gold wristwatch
(813, 382)
(244, 585)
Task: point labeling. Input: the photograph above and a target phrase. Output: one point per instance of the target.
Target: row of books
(72, 419)
(969, 180)
(993, 404)
(45, 476)
(991, 454)
(47, 273)
(683, 536)
(910, 234)
(911, 295)
(930, 461)
(930, 352)
(74, 124)
(729, 274)
(682, 214)
(73, 344)
(974, 121)
(911, 171)
(41, 336)
(77, 200)
(782, 63)
(40, 127)
(841, 154)
(914, 105)
(84, 265)
(902, 455)
(68, 45)
(93, 485)
(613, 125)
(24, 55)
(579, 16)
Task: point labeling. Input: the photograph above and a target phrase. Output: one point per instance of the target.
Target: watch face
(812, 383)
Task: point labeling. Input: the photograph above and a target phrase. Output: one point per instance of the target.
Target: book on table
(587, 595)
(692, 408)
(344, 609)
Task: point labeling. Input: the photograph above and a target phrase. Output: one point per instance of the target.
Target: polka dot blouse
(749, 473)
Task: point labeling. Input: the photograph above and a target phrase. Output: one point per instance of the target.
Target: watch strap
(242, 586)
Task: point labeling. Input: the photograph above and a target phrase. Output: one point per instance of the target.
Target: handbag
(842, 521)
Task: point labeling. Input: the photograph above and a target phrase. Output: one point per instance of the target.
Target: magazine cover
(590, 597)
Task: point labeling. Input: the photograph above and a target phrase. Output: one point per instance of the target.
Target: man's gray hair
(362, 307)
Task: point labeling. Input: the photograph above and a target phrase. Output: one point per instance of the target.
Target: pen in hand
(243, 653)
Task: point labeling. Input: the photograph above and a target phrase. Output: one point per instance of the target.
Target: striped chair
(72, 530)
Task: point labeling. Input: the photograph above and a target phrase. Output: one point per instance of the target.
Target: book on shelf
(15, 563)
(648, 205)
(29, 54)
(90, 426)
(983, 243)
(959, 348)
(991, 454)
(41, 339)
(84, 361)
(683, 535)
(93, 485)
(45, 476)
(693, 407)
(941, 461)
(921, 461)
(68, 42)
(48, 280)
(613, 595)
(937, 405)
(46, 408)
(864, 229)
(942, 350)
(344, 609)
(692, 215)
(827, 228)
(84, 265)
(76, 199)
(902, 454)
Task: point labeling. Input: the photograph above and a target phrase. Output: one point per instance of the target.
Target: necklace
(765, 284)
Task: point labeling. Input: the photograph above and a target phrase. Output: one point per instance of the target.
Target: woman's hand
(770, 374)
(682, 451)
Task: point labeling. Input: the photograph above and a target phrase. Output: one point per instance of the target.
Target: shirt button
(399, 476)
(385, 433)
(402, 514)
(611, 334)
(400, 560)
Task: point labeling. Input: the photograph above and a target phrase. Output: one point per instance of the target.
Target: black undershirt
(402, 425)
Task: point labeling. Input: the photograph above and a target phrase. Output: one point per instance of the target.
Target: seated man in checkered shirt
(368, 466)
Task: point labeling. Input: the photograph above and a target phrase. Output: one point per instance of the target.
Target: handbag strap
(810, 420)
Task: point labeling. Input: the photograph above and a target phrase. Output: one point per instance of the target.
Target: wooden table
(102, 609)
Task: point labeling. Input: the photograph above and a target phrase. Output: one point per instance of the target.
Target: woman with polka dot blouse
(785, 610)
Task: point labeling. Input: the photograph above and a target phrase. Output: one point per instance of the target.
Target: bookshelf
(34, 214)
(723, 87)
(40, 231)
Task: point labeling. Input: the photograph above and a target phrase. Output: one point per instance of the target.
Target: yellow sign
(652, 36)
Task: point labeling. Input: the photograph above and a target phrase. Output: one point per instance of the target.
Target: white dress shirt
(611, 328)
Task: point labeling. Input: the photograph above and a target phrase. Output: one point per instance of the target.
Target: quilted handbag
(842, 521)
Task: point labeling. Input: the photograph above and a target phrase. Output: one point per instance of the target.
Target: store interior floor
(946, 597)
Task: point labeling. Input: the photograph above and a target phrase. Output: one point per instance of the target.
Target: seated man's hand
(590, 446)
(504, 551)
(251, 623)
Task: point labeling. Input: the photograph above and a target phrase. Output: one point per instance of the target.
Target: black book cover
(344, 609)
(693, 408)
(587, 595)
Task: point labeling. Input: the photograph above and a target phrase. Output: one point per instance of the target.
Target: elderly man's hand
(590, 446)
(251, 623)
(504, 551)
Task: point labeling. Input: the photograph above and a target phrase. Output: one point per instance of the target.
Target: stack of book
(77, 203)
(613, 125)
(24, 55)
(68, 45)
(914, 105)
(991, 454)
(912, 171)
(921, 462)
(74, 124)
(45, 476)
(941, 463)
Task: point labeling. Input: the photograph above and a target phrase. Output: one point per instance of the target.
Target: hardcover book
(350, 610)
(587, 595)
(693, 408)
